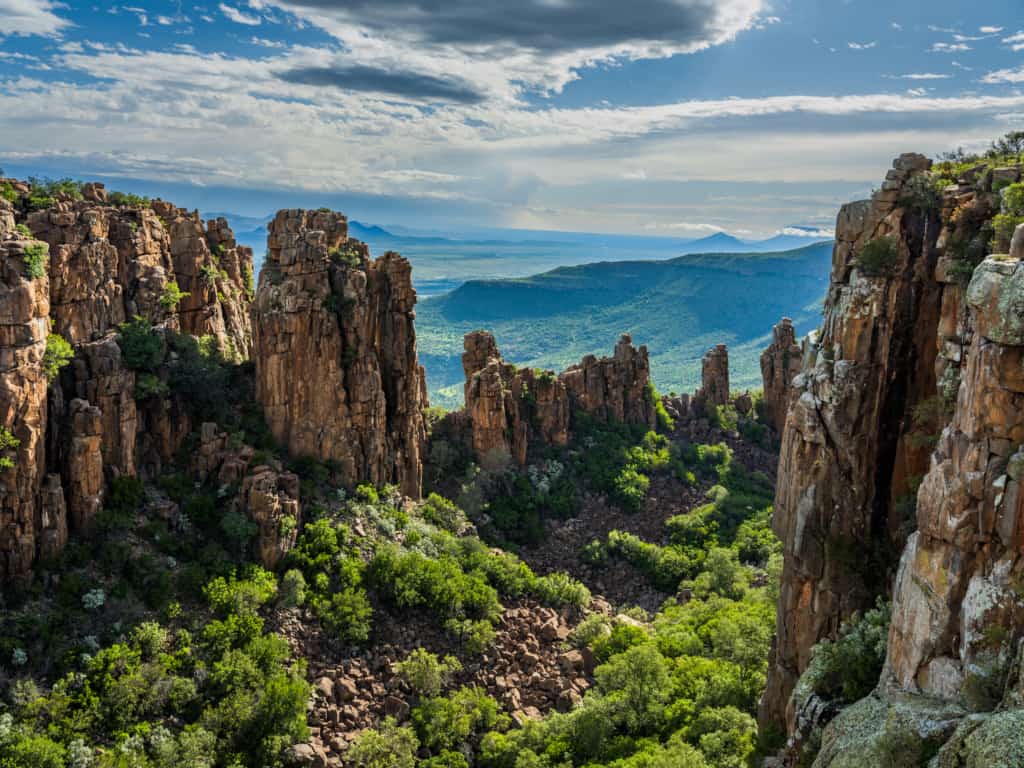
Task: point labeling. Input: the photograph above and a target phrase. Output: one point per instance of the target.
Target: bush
(8, 442)
(125, 494)
(142, 348)
(560, 589)
(849, 667)
(58, 354)
(448, 723)
(665, 422)
(35, 258)
(172, 296)
(878, 258)
(387, 747)
(475, 636)
(293, 589)
(347, 615)
(149, 385)
(425, 673)
(638, 681)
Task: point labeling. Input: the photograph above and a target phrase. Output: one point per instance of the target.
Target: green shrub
(638, 681)
(149, 385)
(878, 257)
(36, 257)
(23, 230)
(921, 195)
(172, 296)
(142, 347)
(425, 673)
(8, 442)
(665, 422)
(125, 494)
(347, 615)
(849, 667)
(58, 354)
(476, 636)
(560, 589)
(293, 588)
(448, 723)
(386, 747)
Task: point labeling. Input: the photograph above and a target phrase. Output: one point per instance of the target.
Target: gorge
(233, 532)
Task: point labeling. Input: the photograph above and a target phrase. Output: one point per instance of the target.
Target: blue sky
(662, 117)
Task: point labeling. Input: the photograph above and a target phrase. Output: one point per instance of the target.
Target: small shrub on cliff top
(58, 354)
(849, 667)
(878, 257)
(23, 230)
(35, 258)
(425, 673)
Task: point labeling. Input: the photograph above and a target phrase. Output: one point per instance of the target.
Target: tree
(58, 354)
(425, 673)
(637, 679)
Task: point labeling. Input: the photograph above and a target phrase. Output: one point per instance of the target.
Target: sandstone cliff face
(104, 265)
(509, 410)
(26, 527)
(714, 377)
(779, 364)
(952, 688)
(844, 456)
(335, 352)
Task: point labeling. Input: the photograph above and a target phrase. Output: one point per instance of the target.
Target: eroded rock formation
(335, 351)
(714, 377)
(779, 364)
(845, 458)
(78, 268)
(509, 409)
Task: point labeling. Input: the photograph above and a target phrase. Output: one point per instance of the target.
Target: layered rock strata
(714, 377)
(335, 352)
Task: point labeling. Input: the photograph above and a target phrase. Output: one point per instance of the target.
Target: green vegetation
(8, 442)
(45, 192)
(347, 256)
(58, 354)
(36, 257)
(128, 199)
(172, 296)
(223, 695)
(23, 230)
(1010, 216)
(849, 667)
(688, 304)
(142, 347)
(878, 258)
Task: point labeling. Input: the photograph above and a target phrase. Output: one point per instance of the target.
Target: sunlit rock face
(335, 352)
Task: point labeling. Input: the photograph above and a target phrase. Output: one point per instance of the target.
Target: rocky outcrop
(510, 410)
(108, 264)
(845, 456)
(102, 264)
(779, 364)
(714, 377)
(335, 351)
(24, 324)
(271, 500)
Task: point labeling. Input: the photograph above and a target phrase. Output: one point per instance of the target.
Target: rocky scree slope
(898, 479)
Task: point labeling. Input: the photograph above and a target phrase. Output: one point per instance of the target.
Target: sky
(678, 118)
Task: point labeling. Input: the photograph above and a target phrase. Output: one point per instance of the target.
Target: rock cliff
(509, 409)
(72, 270)
(335, 352)
(844, 458)
(930, 498)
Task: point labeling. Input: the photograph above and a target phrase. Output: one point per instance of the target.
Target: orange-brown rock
(779, 364)
(271, 500)
(845, 457)
(714, 377)
(84, 487)
(509, 409)
(27, 527)
(335, 351)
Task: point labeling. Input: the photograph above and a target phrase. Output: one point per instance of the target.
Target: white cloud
(897, 27)
(1015, 38)
(26, 18)
(1004, 76)
(816, 232)
(263, 42)
(950, 47)
(862, 46)
(238, 17)
(990, 30)
(919, 76)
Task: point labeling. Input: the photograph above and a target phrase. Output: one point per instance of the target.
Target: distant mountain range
(443, 261)
(679, 307)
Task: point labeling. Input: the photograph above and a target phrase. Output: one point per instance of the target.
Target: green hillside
(679, 308)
